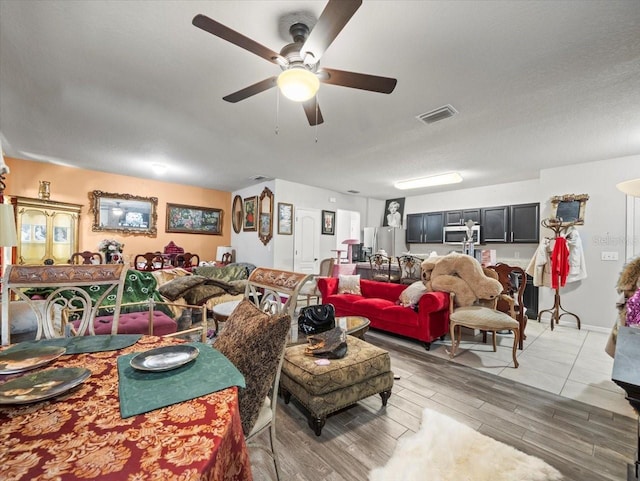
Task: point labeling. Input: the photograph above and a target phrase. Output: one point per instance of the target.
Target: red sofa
(379, 303)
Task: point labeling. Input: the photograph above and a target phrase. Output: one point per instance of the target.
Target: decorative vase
(44, 190)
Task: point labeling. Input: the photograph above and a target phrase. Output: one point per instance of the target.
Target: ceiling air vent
(353, 191)
(437, 114)
(259, 178)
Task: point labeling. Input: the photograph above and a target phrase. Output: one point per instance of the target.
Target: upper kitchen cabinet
(513, 223)
(425, 228)
(525, 223)
(495, 224)
(461, 216)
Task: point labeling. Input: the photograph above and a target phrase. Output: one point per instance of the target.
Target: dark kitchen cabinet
(512, 223)
(524, 223)
(425, 228)
(459, 217)
(495, 224)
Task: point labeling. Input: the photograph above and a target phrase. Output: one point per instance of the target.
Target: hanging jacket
(577, 264)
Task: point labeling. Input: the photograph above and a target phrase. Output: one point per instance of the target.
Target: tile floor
(565, 361)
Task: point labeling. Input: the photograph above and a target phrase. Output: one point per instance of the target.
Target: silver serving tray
(19, 360)
(42, 385)
(164, 358)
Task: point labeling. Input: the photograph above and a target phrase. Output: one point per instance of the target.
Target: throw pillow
(227, 273)
(253, 341)
(412, 294)
(349, 284)
(176, 288)
(198, 295)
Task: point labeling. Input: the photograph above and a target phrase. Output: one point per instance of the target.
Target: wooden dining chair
(254, 340)
(186, 260)
(86, 257)
(381, 269)
(410, 270)
(149, 261)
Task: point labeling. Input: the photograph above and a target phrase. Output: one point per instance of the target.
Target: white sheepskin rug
(447, 450)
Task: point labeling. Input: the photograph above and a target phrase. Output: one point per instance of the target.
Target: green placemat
(143, 391)
(84, 344)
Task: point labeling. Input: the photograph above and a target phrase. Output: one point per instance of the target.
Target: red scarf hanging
(559, 263)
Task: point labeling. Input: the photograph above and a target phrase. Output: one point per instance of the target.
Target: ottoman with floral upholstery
(322, 390)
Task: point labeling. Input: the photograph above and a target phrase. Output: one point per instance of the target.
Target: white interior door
(307, 241)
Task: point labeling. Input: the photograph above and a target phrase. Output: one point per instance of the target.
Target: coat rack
(558, 227)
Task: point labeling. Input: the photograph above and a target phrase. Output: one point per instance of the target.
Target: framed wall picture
(285, 218)
(393, 212)
(236, 214)
(328, 222)
(188, 219)
(249, 213)
(60, 235)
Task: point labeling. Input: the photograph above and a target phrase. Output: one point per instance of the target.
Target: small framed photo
(285, 218)
(265, 224)
(249, 222)
(39, 233)
(328, 222)
(25, 233)
(60, 235)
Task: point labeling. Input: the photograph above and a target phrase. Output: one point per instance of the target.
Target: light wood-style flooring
(586, 443)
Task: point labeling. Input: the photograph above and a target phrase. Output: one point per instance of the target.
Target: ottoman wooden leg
(385, 395)
(317, 424)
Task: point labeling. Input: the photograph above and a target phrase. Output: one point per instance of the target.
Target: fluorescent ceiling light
(442, 179)
(298, 84)
(159, 169)
(630, 187)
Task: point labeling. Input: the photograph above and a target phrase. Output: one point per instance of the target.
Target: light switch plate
(608, 256)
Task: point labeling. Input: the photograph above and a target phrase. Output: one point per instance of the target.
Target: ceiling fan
(301, 73)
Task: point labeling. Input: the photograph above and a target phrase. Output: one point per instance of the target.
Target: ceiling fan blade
(310, 109)
(256, 88)
(216, 28)
(332, 20)
(373, 83)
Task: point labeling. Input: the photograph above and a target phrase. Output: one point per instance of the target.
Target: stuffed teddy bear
(461, 274)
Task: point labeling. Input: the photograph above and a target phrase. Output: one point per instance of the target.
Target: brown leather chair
(86, 257)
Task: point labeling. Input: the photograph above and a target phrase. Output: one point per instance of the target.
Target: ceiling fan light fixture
(442, 179)
(298, 84)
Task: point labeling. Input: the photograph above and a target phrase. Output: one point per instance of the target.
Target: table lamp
(222, 250)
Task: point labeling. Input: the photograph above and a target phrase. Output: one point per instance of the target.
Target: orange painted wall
(73, 185)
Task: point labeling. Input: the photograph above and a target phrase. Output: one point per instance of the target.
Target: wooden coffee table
(355, 326)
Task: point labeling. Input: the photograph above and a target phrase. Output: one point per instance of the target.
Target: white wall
(248, 246)
(594, 298)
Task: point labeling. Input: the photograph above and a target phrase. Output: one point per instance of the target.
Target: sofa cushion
(349, 284)
(412, 294)
(177, 288)
(198, 295)
(253, 340)
(382, 290)
(226, 273)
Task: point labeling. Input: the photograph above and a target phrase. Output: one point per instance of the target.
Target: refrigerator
(389, 239)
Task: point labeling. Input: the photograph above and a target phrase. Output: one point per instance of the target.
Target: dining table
(103, 430)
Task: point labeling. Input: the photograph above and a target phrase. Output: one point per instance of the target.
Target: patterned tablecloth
(81, 435)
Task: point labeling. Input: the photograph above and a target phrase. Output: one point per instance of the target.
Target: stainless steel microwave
(457, 234)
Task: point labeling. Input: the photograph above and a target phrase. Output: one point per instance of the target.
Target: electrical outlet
(608, 256)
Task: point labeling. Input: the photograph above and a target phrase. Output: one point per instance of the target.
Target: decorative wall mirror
(124, 213)
(265, 227)
(569, 208)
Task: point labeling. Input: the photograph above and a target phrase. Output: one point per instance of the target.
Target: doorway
(307, 241)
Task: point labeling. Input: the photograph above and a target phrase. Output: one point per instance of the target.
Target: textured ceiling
(115, 86)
